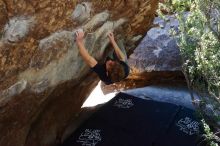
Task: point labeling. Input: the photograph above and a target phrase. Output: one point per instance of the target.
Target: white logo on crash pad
(90, 137)
(123, 103)
(188, 126)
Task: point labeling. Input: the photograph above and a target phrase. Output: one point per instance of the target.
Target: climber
(114, 69)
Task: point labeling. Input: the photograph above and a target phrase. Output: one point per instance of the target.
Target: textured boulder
(158, 51)
(43, 79)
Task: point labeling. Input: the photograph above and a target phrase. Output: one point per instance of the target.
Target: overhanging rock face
(43, 79)
(156, 60)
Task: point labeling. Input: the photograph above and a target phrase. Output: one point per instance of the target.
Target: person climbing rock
(115, 67)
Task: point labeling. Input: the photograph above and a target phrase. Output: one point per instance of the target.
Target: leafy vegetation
(200, 49)
(209, 136)
(199, 42)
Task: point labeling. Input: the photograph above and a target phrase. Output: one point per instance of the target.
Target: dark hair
(117, 73)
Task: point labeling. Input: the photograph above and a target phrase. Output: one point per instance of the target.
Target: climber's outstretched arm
(82, 50)
(118, 51)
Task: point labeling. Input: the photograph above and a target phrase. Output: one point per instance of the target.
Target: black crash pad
(130, 121)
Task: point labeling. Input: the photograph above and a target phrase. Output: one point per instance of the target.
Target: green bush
(209, 136)
(199, 42)
(200, 46)
(175, 6)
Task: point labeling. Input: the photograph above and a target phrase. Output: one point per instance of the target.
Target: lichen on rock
(17, 28)
(82, 12)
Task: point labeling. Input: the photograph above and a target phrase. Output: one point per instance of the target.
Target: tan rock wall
(43, 79)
